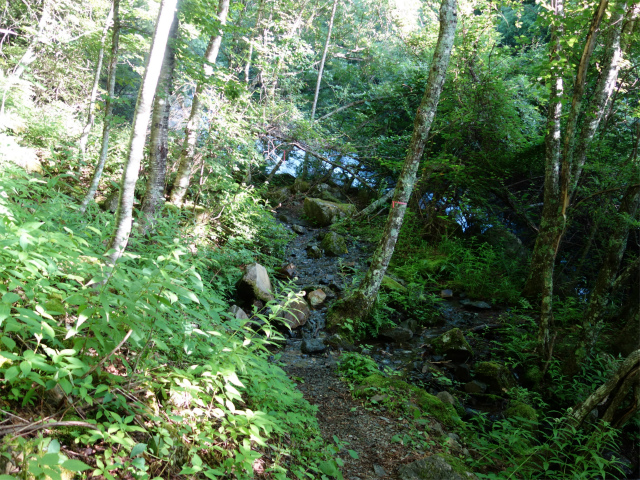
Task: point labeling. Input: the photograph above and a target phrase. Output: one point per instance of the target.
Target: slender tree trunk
(278, 165)
(247, 66)
(359, 304)
(108, 109)
(607, 274)
(324, 58)
(158, 143)
(563, 167)
(124, 215)
(377, 204)
(29, 55)
(94, 90)
(181, 183)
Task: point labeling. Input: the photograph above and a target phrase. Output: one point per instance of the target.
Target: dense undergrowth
(190, 392)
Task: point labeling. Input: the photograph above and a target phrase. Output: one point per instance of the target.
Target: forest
(357, 239)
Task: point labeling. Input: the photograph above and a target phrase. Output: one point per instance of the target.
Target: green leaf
(75, 465)
(54, 446)
(11, 373)
(10, 298)
(354, 454)
(329, 468)
(138, 449)
(50, 459)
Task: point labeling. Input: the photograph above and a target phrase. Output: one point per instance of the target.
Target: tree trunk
(154, 194)
(30, 54)
(94, 90)
(247, 66)
(377, 204)
(563, 168)
(181, 183)
(324, 58)
(359, 304)
(278, 165)
(108, 109)
(124, 215)
(607, 274)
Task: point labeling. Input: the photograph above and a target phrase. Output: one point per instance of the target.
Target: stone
(25, 157)
(238, 313)
(479, 305)
(452, 345)
(255, 284)
(475, 386)
(338, 342)
(280, 195)
(299, 229)
(317, 297)
(378, 398)
(284, 218)
(446, 397)
(410, 324)
(300, 186)
(334, 245)
(435, 467)
(287, 271)
(397, 334)
(313, 251)
(446, 293)
(497, 377)
(325, 213)
(312, 345)
(110, 204)
(435, 429)
(296, 312)
(463, 372)
(522, 410)
(379, 471)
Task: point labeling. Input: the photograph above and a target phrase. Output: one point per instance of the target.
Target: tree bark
(124, 215)
(183, 177)
(94, 90)
(158, 148)
(607, 274)
(108, 109)
(359, 304)
(29, 55)
(247, 66)
(377, 204)
(324, 58)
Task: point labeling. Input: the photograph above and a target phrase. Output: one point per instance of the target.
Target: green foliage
(356, 367)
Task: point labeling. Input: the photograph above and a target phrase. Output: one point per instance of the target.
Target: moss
(533, 375)
(425, 402)
(457, 464)
(345, 315)
(390, 284)
(520, 409)
(453, 343)
(333, 244)
(495, 375)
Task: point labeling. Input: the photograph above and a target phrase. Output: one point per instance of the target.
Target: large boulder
(325, 213)
(255, 284)
(334, 245)
(452, 345)
(435, 467)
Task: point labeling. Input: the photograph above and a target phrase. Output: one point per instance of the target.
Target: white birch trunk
(324, 58)
(124, 215)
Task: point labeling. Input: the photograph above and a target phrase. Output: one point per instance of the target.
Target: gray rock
(337, 342)
(284, 218)
(479, 305)
(299, 229)
(446, 293)
(452, 345)
(296, 313)
(379, 471)
(398, 334)
(317, 297)
(498, 378)
(435, 429)
(325, 213)
(110, 204)
(475, 386)
(463, 372)
(446, 397)
(432, 468)
(238, 313)
(313, 345)
(410, 324)
(255, 284)
(334, 245)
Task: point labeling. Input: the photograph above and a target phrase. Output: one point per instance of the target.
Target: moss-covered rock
(452, 345)
(389, 284)
(334, 245)
(497, 377)
(425, 403)
(325, 213)
(300, 186)
(522, 410)
(345, 315)
(436, 467)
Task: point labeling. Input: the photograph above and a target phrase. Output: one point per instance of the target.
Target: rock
(522, 410)
(379, 471)
(25, 157)
(255, 284)
(435, 467)
(463, 372)
(479, 305)
(284, 218)
(287, 271)
(238, 313)
(279, 195)
(391, 285)
(452, 345)
(325, 213)
(312, 345)
(497, 377)
(446, 397)
(300, 186)
(313, 251)
(296, 313)
(435, 429)
(299, 229)
(378, 398)
(397, 334)
(452, 443)
(334, 245)
(338, 342)
(410, 324)
(316, 297)
(475, 386)
(446, 293)
(110, 204)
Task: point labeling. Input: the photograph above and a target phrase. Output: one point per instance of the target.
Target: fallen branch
(24, 428)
